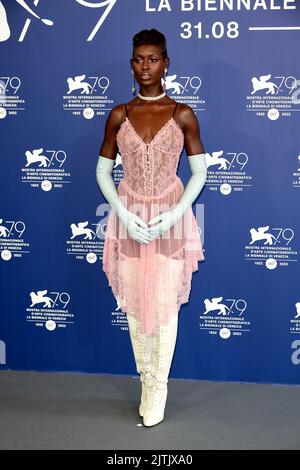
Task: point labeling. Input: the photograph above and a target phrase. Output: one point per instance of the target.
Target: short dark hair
(150, 36)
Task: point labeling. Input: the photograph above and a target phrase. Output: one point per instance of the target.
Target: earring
(133, 85)
(165, 76)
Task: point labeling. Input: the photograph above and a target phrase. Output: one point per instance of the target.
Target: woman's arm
(109, 147)
(190, 128)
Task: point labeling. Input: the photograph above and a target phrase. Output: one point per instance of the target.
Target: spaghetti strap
(175, 109)
(126, 110)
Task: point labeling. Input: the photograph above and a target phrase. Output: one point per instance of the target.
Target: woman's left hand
(163, 223)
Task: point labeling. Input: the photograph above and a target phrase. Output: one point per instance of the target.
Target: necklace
(151, 98)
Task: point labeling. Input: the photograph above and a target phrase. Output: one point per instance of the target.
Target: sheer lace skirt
(152, 280)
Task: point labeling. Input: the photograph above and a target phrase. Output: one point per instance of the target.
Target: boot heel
(155, 409)
(146, 381)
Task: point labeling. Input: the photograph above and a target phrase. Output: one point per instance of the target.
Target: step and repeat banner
(64, 65)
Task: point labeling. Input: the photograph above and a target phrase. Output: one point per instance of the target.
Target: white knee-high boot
(142, 346)
(162, 354)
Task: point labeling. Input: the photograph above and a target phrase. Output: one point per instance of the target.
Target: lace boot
(162, 354)
(141, 345)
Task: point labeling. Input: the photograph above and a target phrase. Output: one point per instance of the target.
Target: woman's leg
(142, 347)
(162, 355)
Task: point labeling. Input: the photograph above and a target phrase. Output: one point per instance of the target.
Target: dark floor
(81, 411)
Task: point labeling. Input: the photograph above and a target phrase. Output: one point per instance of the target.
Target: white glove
(137, 229)
(193, 188)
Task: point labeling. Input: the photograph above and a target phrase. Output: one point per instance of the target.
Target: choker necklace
(151, 98)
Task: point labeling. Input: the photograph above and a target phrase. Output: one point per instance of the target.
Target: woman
(152, 243)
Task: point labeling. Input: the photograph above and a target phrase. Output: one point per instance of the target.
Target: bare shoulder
(114, 120)
(189, 124)
(187, 117)
(116, 116)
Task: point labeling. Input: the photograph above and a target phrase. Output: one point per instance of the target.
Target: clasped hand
(144, 233)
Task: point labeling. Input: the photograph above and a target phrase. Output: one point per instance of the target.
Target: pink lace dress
(151, 280)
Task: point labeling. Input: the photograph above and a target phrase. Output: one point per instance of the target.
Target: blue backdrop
(64, 65)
